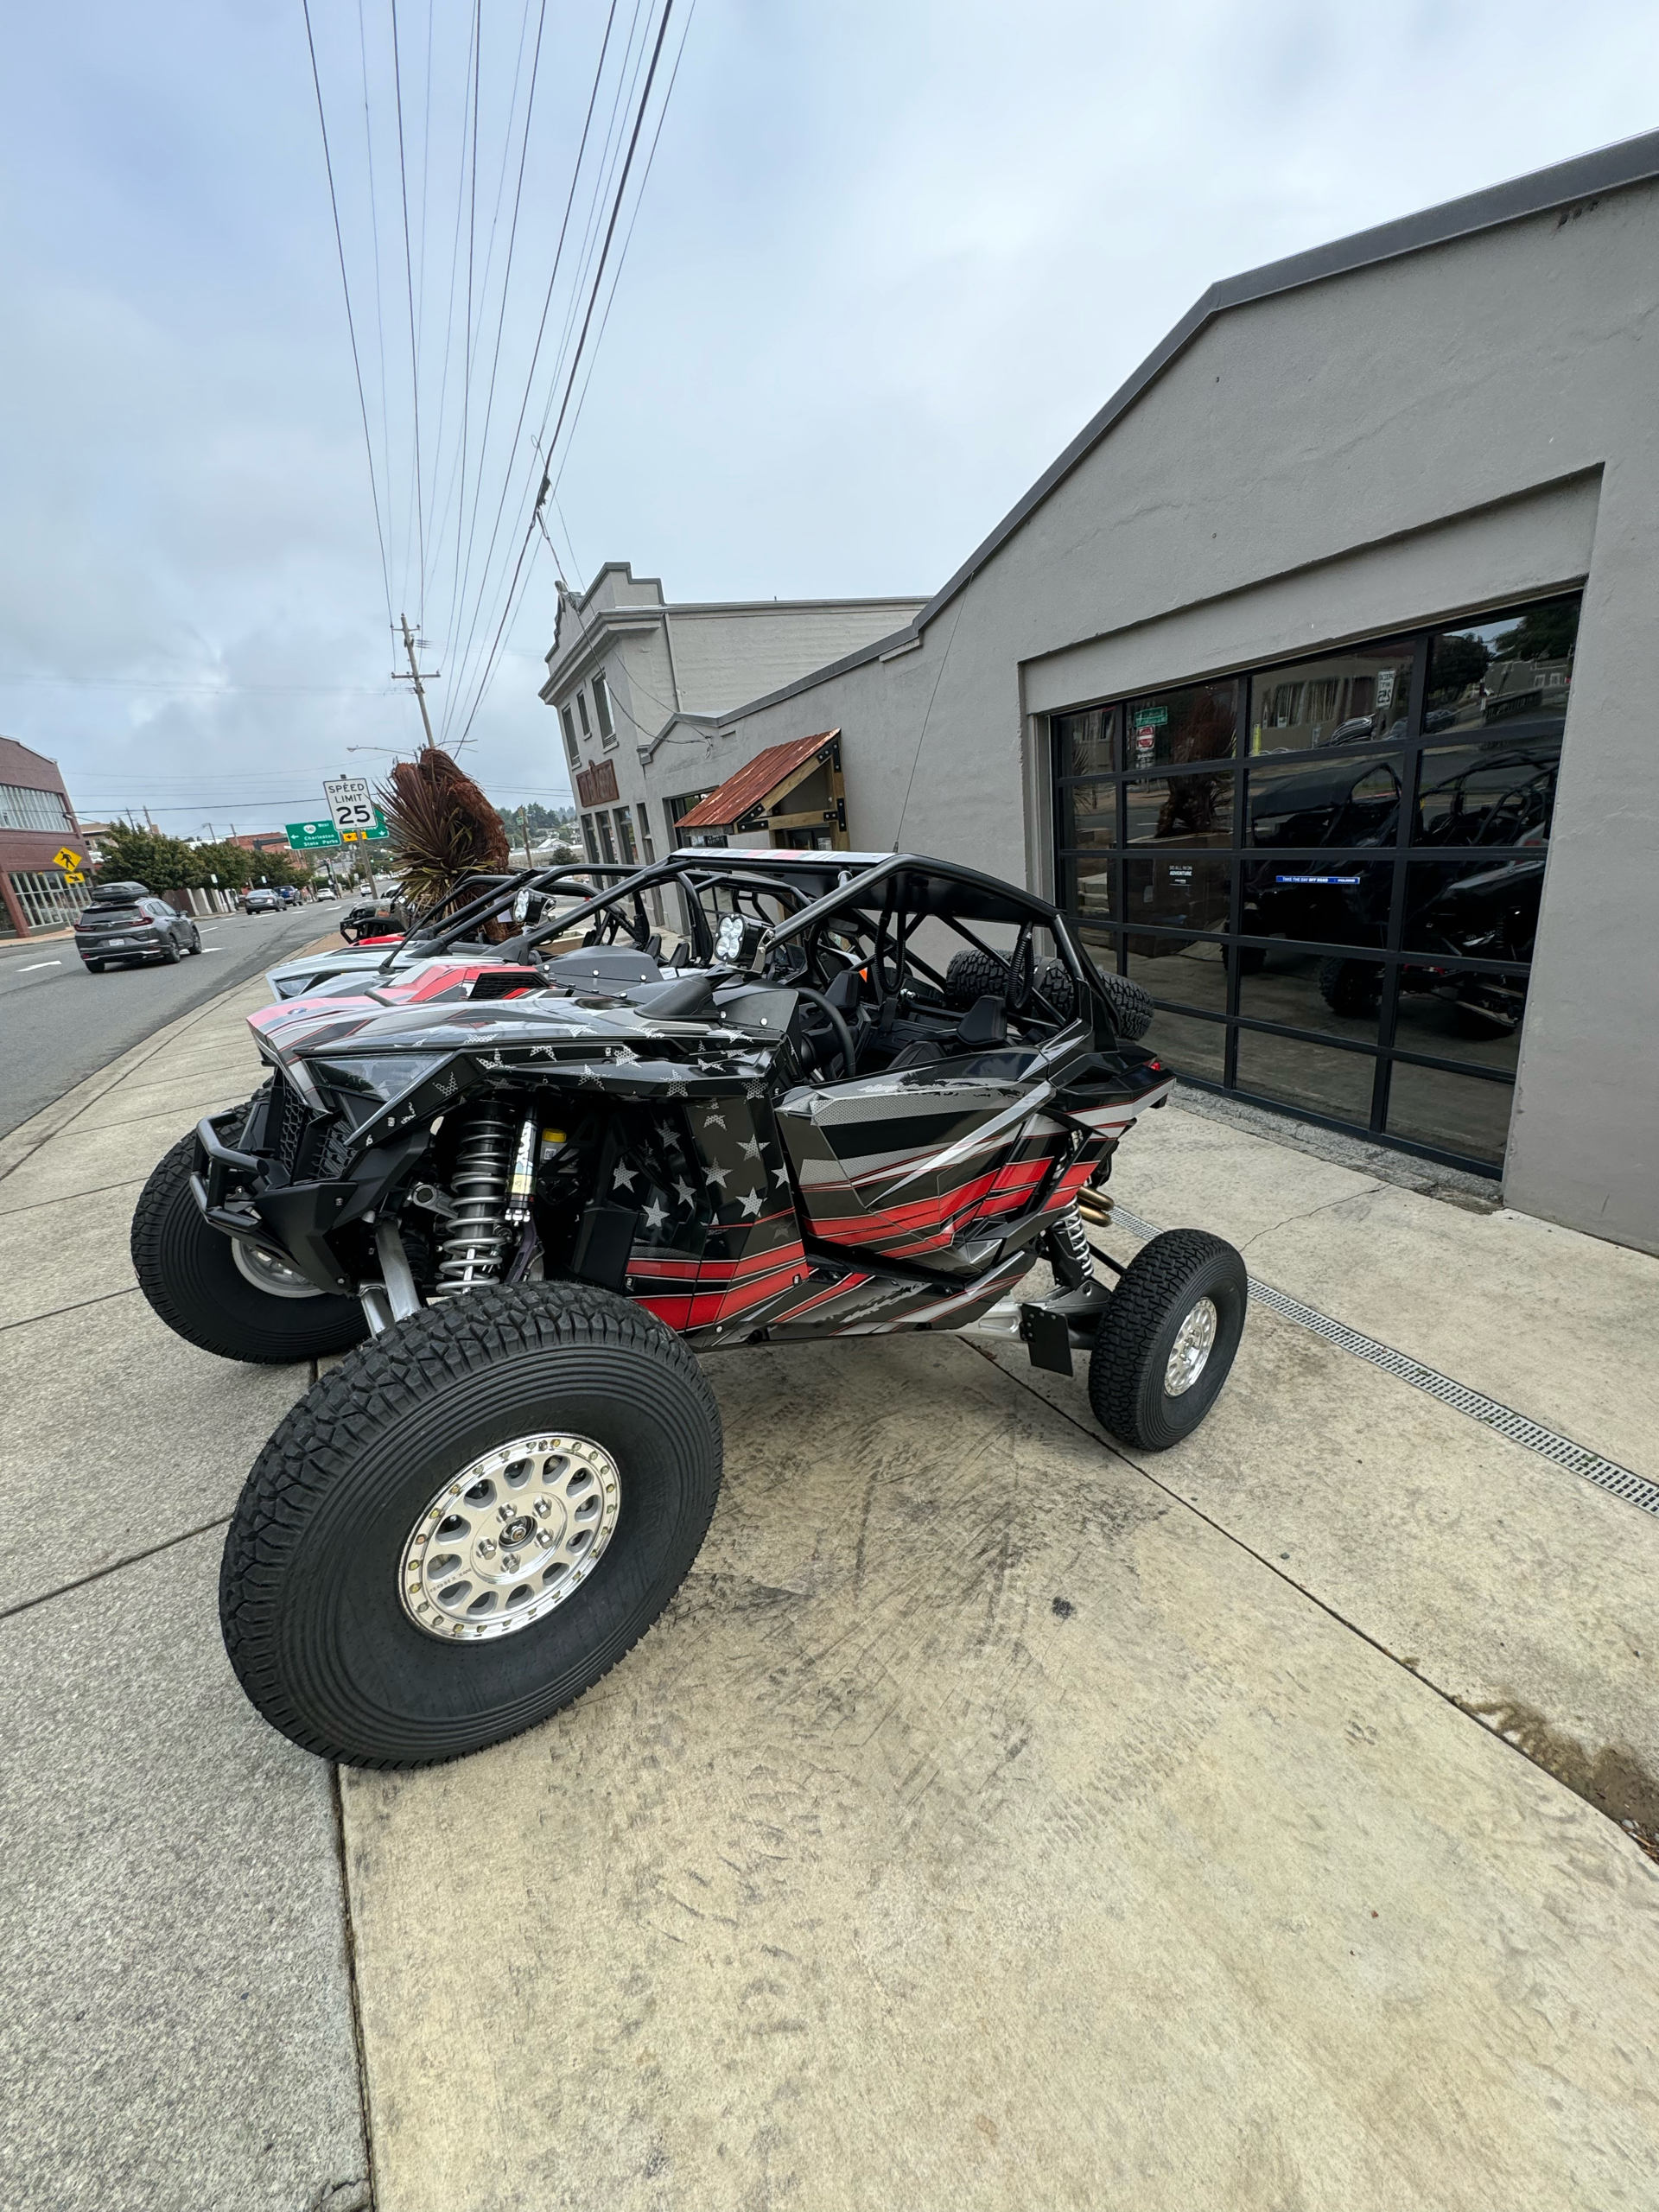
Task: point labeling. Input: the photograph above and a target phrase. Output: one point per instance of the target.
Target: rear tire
(322, 1570)
(1168, 1284)
(1351, 987)
(94, 967)
(188, 1272)
(1131, 1005)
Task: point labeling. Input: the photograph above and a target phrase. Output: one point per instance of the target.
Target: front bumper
(237, 1197)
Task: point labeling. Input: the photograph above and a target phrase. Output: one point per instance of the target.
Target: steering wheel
(832, 1024)
(1022, 974)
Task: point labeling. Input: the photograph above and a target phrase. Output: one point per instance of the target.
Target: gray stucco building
(643, 689)
(1316, 677)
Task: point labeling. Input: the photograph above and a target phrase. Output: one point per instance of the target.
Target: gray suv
(125, 923)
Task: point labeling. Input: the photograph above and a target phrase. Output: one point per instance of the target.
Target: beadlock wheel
(515, 1534)
(267, 1273)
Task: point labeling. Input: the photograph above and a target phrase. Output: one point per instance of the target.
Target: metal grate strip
(1607, 1474)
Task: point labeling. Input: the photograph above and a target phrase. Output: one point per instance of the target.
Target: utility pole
(524, 824)
(415, 676)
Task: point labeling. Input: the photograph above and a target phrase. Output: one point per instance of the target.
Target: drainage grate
(1621, 1482)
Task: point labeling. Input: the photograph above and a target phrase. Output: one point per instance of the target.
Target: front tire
(1167, 1338)
(188, 1272)
(413, 1443)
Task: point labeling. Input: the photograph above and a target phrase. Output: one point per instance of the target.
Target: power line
(459, 657)
(351, 324)
(409, 286)
(379, 292)
(575, 359)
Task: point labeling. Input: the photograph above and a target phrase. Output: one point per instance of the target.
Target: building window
(625, 836)
(48, 903)
(605, 845)
(644, 831)
(1327, 873)
(683, 805)
(602, 708)
(588, 838)
(569, 728)
(581, 710)
(23, 808)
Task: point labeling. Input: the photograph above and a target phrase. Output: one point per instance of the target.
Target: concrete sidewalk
(993, 1820)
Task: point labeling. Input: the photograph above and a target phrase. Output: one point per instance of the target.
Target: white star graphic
(750, 1202)
(718, 1175)
(712, 1121)
(780, 1174)
(623, 1179)
(751, 1150)
(688, 1195)
(655, 1213)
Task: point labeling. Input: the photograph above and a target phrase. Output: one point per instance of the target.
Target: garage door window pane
(1304, 991)
(1458, 1112)
(1189, 894)
(1472, 1018)
(1494, 792)
(1170, 729)
(1194, 974)
(1189, 1045)
(1484, 905)
(1301, 1074)
(1346, 698)
(1319, 901)
(1082, 742)
(1343, 801)
(1512, 672)
(1184, 809)
(1088, 814)
(1091, 875)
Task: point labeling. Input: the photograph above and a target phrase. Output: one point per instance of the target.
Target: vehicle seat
(984, 1026)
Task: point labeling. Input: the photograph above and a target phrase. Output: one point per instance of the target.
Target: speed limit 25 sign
(350, 805)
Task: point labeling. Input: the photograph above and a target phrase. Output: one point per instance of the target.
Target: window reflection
(1347, 698)
(1483, 906)
(1337, 803)
(1510, 668)
(1082, 742)
(1190, 1045)
(1192, 895)
(1318, 1077)
(1088, 814)
(1461, 1015)
(1487, 794)
(1303, 990)
(1195, 975)
(1460, 1112)
(1091, 875)
(1186, 810)
(1320, 902)
(1170, 729)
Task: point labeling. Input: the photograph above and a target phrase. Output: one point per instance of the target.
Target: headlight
(729, 941)
(380, 1076)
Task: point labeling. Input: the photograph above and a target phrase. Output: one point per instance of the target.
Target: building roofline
(1587, 176)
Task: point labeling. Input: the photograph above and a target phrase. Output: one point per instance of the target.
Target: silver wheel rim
(267, 1273)
(1190, 1353)
(510, 1537)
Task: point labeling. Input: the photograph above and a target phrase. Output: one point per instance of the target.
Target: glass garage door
(1327, 873)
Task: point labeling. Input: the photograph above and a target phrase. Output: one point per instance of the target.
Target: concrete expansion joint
(363, 2198)
(115, 1566)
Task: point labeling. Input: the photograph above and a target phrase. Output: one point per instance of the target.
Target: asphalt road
(58, 1023)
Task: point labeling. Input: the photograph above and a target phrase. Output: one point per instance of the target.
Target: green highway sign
(307, 836)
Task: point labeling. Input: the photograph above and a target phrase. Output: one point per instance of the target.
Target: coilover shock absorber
(470, 1250)
(1071, 1239)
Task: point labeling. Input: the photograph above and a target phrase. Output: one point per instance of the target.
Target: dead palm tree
(443, 829)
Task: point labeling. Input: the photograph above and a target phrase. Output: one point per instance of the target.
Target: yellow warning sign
(66, 858)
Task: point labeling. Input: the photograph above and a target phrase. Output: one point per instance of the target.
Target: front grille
(286, 1124)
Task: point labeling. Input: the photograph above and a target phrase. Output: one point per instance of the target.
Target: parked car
(260, 902)
(125, 924)
(540, 1185)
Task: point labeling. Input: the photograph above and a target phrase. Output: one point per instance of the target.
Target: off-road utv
(865, 1096)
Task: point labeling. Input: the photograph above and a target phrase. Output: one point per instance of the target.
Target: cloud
(891, 259)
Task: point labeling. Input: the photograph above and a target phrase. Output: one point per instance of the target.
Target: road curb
(29, 1136)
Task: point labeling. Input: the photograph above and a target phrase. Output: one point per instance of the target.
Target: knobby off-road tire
(1169, 1282)
(188, 1272)
(311, 1597)
(974, 975)
(1352, 987)
(1132, 1008)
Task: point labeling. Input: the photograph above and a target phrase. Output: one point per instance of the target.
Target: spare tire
(974, 975)
(1131, 1007)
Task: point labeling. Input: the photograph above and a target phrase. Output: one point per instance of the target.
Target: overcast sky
(889, 258)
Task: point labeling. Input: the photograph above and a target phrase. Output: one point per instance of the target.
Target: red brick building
(37, 822)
